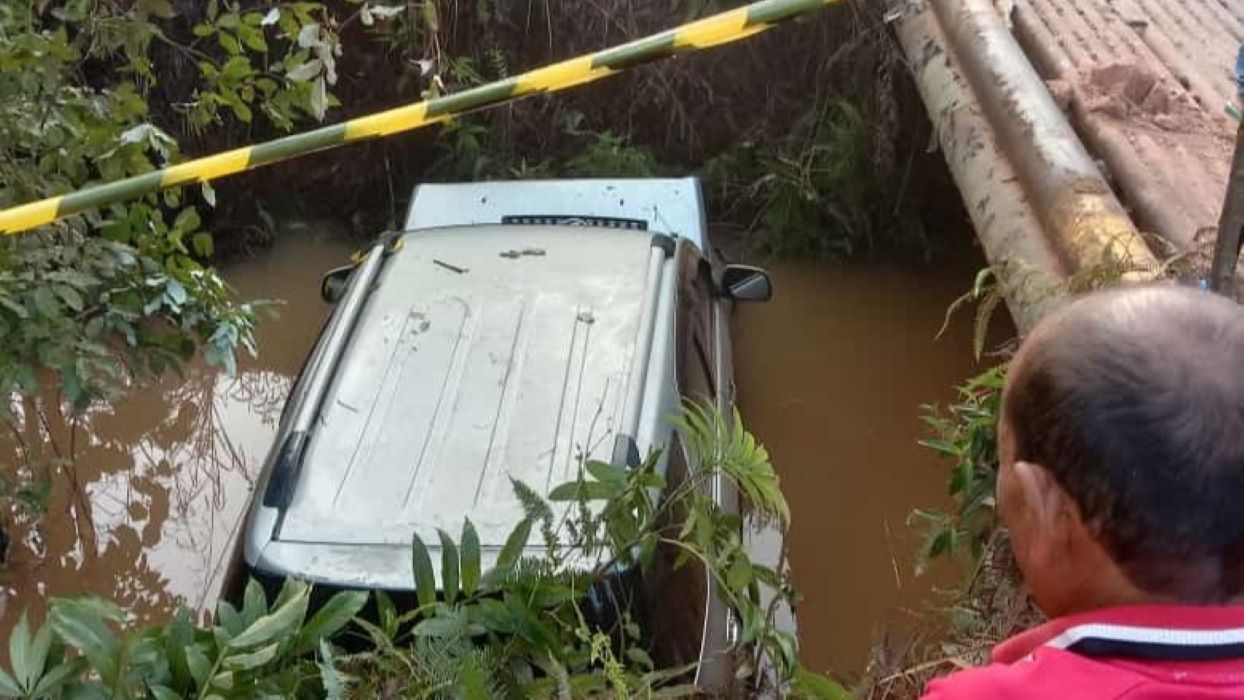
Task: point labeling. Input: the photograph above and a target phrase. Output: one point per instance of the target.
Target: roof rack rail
(626, 451)
(285, 471)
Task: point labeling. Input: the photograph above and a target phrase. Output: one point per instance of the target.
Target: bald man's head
(1133, 400)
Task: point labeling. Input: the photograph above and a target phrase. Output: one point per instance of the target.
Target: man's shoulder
(1045, 673)
(992, 681)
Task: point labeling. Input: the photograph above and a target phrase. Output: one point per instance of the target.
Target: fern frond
(534, 506)
(481, 675)
(723, 446)
(456, 668)
(526, 573)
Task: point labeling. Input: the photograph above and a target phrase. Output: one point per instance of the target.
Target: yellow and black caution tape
(723, 28)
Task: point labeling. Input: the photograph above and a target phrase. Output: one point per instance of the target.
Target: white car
(509, 331)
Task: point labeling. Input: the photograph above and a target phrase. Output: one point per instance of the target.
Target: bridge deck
(1146, 83)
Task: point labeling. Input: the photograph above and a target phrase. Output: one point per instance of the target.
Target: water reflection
(152, 489)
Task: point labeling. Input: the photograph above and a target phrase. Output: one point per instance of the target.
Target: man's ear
(1047, 503)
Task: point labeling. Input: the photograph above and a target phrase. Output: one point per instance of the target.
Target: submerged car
(510, 331)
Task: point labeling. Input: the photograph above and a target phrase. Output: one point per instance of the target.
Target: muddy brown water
(168, 469)
(830, 375)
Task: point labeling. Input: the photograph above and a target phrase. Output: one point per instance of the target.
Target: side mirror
(746, 283)
(335, 282)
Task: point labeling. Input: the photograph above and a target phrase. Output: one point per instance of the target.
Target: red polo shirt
(1139, 652)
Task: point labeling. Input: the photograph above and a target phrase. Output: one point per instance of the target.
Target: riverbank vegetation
(553, 625)
(991, 603)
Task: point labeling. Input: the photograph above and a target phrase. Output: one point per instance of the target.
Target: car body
(511, 331)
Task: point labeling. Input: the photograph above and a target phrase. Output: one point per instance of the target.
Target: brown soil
(1131, 93)
(991, 608)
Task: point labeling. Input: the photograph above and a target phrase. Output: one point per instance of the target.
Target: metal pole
(1006, 220)
(1087, 223)
(1230, 226)
(716, 30)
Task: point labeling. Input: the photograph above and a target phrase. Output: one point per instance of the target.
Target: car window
(695, 303)
(675, 591)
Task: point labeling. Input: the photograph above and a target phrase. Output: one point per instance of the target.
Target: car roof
(484, 354)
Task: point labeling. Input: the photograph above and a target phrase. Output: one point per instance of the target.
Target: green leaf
(470, 558)
(319, 98)
(229, 43)
(445, 627)
(242, 111)
(309, 35)
(387, 612)
(585, 490)
(602, 471)
(739, 575)
(279, 624)
(623, 526)
(962, 477)
(254, 602)
(305, 71)
(19, 647)
(8, 688)
(82, 624)
(943, 446)
(160, 692)
(203, 30)
(253, 660)
(45, 302)
(223, 680)
(814, 685)
(229, 618)
(493, 615)
(58, 676)
(236, 68)
(178, 635)
(70, 296)
(449, 567)
(425, 578)
(514, 544)
(253, 38)
(187, 220)
(157, 8)
(175, 292)
(640, 657)
(203, 245)
(200, 667)
(474, 682)
(334, 686)
(15, 307)
(37, 656)
(329, 619)
(650, 480)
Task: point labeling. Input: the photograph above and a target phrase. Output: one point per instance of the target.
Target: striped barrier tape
(716, 30)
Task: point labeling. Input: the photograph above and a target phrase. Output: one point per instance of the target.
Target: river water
(830, 375)
(168, 469)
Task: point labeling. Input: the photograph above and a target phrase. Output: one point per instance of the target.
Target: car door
(703, 362)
